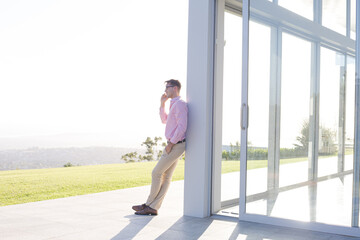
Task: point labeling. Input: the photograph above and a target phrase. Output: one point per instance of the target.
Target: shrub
(152, 151)
(69, 164)
(262, 153)
(257, 153)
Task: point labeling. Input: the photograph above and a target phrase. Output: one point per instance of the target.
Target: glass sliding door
(231, 111)
(296, 114)
(332, 70)
(350, 107)
(295, 110)
(288, 127)
(336, 123)
(259, 102)
(298, 103)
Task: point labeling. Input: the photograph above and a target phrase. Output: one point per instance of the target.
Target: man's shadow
(186, 228)
(136, 224)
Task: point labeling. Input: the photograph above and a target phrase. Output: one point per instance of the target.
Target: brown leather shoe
(139, 207)
(147, 211)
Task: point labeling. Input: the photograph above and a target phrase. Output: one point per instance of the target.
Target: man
(175, 130)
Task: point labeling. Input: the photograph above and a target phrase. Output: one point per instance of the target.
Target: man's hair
(174, 83)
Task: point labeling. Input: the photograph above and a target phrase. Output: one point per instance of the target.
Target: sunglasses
(169, 86)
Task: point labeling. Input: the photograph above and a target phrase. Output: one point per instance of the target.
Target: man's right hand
(163, 99)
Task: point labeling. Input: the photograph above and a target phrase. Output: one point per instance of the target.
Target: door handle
(244, 116)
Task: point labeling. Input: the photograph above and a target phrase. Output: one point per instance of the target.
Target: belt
(184, 140)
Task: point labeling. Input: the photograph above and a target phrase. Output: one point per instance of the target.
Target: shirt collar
(175, 99)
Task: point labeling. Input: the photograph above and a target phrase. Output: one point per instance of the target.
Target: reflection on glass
(302, 7)
(334, 195)
(331, 72)
(334, 15)
(328, 198)
(295, 96)
(350, 106)
(230, 182)
(352, 18)
(314, 104)
(258, 98)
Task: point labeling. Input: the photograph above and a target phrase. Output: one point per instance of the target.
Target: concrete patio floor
(109, 216)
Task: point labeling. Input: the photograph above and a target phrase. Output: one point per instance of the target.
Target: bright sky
(89, 67)
(93, 71)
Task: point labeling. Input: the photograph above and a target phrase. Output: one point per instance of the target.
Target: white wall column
(200, 79)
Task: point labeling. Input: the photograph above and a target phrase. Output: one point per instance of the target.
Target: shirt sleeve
(181, 112)
(163, 115)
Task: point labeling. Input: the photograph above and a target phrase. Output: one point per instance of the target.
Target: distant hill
(69, 140)
(33, 158)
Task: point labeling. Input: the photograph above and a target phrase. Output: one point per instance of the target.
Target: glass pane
(331, 71)
(231, 108)
(328, 199)
(334, 192)
(295, 96)
(294, 137)
(258, 97)
(307, 105)
(352, 19)
(334, 15)
(350, 107)
(302, 7)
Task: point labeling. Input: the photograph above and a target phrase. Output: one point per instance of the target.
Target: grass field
(21, 186)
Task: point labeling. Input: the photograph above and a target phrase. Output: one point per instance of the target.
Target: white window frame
(273, 15)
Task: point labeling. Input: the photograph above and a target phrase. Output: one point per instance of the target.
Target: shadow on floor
(136, 224)
(186, 228)
(257, 231)
(191, 228)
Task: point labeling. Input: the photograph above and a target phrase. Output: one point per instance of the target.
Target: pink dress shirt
(176, 120)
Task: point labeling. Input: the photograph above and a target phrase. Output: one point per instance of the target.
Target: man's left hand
(169, 147)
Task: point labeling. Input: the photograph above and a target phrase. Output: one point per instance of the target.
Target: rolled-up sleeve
(181, 116)
(163, 115)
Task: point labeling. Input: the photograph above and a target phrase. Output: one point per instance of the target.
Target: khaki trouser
(162, 174)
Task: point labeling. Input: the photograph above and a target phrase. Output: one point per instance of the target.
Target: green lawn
(21, 186)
